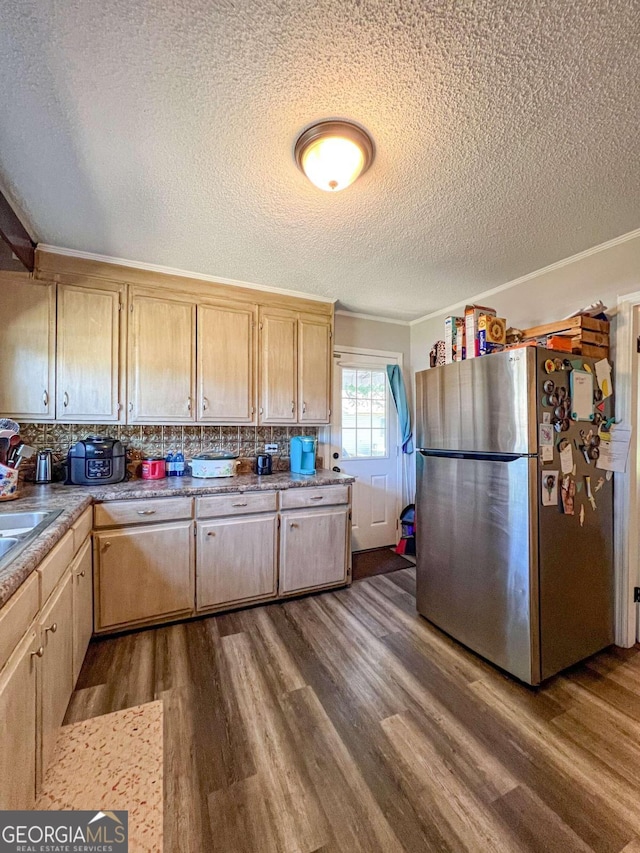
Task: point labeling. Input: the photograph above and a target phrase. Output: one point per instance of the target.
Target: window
(364, 413)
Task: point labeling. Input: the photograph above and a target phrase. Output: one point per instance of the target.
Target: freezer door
(486, 404)
(477, 576)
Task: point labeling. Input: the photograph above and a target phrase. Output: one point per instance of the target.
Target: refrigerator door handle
(472, 454)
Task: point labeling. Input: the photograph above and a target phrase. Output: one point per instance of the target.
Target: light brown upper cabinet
(278, 366)
(27, 362)
(161, 359)
(226, 348)
(314, 369)
(88, 353)
(295, 367)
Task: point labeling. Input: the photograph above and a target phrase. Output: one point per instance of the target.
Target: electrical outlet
(271, 448)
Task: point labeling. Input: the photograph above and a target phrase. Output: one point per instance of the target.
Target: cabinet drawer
(116, 513)
(16, 616)
(323, 496)
(236, 504)
(54, 566)
(81, 529)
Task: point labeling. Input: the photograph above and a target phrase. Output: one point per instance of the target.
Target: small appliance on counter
(215, 464)
(44, 467)
(96, 459)
(303, 455)
(264, 463)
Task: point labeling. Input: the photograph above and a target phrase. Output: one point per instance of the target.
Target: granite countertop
(73, 500)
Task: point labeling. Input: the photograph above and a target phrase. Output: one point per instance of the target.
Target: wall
(549, 294)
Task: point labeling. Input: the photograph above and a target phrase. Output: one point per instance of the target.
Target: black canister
(264, 464)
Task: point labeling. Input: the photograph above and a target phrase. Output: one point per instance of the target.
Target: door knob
(336, 456)
(336, 469)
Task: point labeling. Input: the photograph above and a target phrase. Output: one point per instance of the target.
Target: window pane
(348, 442)
(364, 420)
(364, 383)
(378, 421)
(378, 384)
(363, 406)
(379, 442)
(364, 442)
(348, 413)
(348, 382)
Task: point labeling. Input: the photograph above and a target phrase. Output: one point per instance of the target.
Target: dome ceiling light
(332, 154)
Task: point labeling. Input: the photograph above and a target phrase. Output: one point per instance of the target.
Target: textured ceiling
(506, 134)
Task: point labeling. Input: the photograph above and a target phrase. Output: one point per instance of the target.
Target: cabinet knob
(130, 407)
(293, 524)
(65, 399)
(38, 652)
(293, 406)
(82, 573)
(146, 512)
(205, 404)
(304, 407)
(45, 397)
(53, 628)
(106, 545)
(211, 533)
(188, 404)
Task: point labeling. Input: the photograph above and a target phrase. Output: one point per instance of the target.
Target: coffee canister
(153, 468)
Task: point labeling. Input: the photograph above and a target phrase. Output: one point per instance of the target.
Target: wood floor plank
(347, 722)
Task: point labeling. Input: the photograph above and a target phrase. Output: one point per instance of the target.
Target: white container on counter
(208, 465)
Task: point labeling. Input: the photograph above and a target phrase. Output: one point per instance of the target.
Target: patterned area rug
(112, 762)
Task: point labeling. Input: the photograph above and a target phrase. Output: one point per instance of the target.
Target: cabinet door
(81, 571)
(161, 357)
(56, 685)
(236, 559)
(226, 357)
(87, 354)
(313, 548)
(27, 360)
(278, 361)
(314, 369)
(18, 715)
(143, 573)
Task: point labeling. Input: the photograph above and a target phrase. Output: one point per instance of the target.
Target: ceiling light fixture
(332, 154)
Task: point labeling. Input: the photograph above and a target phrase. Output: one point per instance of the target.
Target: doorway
(364, 443)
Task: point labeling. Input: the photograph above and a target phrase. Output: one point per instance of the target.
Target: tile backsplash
(154, 440)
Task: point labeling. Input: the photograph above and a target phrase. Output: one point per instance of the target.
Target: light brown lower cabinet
(56, 687)
(18, 685)
(236, 559)
(82, 574)
(143, 574)
(313, 548)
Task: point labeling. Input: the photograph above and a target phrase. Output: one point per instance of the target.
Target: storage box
(472, 316)
(579, 335)
(451, 337)
(492, 334)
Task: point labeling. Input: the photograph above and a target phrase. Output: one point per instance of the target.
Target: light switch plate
(271, 448)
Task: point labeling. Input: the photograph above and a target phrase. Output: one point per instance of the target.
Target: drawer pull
(38, 652)
(45, 398)
(317, 497)
(146, 512)
(106, 545)
(293, 524)
(65, 399)
(53, 628)
(240, 504)
(211, 533)
(82, 573)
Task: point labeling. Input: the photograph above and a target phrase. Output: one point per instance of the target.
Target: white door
(364, 444)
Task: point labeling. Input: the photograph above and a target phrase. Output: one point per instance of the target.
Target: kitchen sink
(19, 529)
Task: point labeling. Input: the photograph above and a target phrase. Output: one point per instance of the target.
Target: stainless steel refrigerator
(503, 564)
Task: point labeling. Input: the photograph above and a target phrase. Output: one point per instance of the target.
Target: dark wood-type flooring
(378, 561)
(345, 722)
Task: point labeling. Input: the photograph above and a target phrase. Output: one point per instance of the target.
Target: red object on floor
(401, 547)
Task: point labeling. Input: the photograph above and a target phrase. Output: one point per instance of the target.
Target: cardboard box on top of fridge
(472, 315)
(492, 334)
(451, 338)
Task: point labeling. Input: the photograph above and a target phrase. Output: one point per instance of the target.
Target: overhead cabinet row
(95, 354)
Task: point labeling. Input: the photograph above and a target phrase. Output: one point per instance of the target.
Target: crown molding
(594, 250)
(374, 317)
(157, 268)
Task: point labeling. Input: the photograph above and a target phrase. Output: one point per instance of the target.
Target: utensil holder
(8, 483)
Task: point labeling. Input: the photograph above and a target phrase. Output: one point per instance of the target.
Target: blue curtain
(400, 399)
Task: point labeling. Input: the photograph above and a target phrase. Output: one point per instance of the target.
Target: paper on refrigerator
(614, 453)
